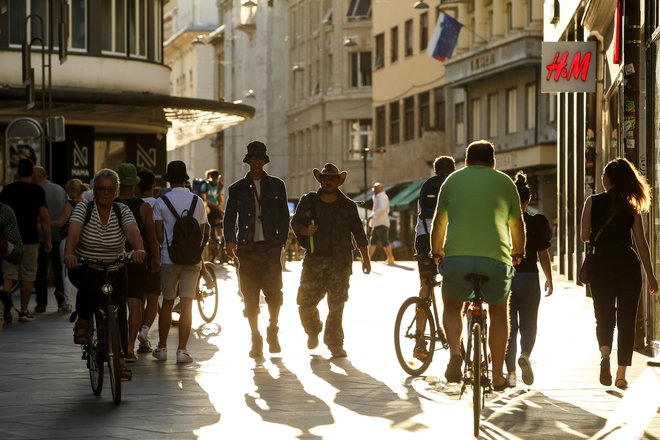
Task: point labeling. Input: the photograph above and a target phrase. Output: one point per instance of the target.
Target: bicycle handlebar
(123, 258)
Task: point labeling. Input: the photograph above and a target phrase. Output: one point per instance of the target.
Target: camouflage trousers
(321, 276)
(259, 269)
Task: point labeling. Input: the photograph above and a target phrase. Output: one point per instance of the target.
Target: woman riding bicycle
(100, 235)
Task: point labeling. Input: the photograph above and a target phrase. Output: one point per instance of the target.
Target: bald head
(378, 187)
(39, 174)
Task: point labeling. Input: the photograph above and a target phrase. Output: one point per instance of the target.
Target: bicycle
(103, 337)
(206, 296)
(417, 323)
(476, 370)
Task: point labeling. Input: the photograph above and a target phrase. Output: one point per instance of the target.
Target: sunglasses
(106, 189)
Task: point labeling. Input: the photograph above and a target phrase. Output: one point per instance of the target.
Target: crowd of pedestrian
(474, 220)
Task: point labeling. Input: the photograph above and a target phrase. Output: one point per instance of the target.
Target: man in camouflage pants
(326, 223)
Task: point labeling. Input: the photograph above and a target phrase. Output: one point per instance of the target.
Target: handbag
(583, 276)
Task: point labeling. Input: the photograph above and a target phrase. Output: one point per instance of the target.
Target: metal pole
(365, 152)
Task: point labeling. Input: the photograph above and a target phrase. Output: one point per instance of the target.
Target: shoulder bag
(583, 276)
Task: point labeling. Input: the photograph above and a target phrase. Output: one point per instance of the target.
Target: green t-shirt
(479, 202)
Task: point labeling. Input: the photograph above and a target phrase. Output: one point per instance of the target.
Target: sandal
(80, 331)
(621, 383)
(131, 357)
(126, 374)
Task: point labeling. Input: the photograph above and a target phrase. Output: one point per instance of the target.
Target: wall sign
(568, 67)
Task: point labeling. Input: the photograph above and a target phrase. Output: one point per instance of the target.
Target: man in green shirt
(477, 228)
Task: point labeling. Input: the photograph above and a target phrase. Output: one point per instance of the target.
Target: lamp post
(365, 154)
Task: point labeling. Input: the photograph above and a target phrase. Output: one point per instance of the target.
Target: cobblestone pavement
(45, 392)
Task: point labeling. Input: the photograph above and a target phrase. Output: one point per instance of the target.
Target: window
(408, 50)
(552, 108)
(394, 45)
(439, 107)
(158, 24)
(137, 28)
(530, 119)
(78, 24)
(492, 115)
(20, 9)
(380, 51)
(511, 111)
(360, 137)
(460, 122)
(359, 10)
(360, 69)
(424, 111)
(423, 31)
(475, 122)
(114, 26)
(394, 122)
(509, 17)
(409, 118)
(380, 126)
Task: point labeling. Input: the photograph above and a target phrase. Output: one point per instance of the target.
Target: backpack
(198, 186)
(186, 245)
(90, 208)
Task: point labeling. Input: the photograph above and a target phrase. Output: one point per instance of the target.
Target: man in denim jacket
(256, 228)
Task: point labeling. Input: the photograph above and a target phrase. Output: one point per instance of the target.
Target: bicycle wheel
(113, 348)
(207, 295)
(414, 340)
(94, 350)
(476, 376)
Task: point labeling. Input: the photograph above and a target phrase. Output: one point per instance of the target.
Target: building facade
(111, 88)
(617, 118)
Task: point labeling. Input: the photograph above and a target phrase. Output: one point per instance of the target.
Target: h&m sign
(569, 67)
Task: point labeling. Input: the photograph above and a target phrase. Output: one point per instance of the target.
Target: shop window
(394, 122)
(394, 45)
(360, 136)
(360, 69)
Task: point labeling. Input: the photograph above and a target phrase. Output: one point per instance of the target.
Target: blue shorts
(456, 287)
(379, 236)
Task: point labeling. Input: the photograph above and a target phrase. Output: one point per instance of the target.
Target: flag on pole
(444, 38)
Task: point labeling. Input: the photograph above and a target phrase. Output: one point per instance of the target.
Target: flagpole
(476, 34)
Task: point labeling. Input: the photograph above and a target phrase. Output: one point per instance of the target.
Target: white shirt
(150, 200)
(258, 224)
(381, 210)
(180, 198)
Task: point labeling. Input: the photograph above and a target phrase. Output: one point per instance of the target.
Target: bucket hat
(330, 169)
(258, 149)
(128, 174)
(176, 172)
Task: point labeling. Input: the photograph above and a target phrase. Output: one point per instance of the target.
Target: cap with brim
(256, 149)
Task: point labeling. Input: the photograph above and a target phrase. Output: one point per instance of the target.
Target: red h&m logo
(579, 67)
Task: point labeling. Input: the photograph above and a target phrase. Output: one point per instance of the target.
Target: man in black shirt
(28, 201)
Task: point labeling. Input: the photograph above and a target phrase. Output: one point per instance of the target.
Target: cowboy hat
(329, 169)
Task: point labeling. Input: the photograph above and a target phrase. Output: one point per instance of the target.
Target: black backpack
(186, 245)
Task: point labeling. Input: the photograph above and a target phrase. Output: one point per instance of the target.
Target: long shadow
(285, 394)
(535, 415)
(366, 395)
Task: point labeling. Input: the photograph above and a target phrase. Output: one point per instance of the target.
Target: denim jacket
(240, 210)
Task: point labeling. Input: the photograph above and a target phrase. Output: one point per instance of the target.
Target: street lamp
(421, 4)
(365, 154)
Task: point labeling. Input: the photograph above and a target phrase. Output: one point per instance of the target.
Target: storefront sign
(569, 67)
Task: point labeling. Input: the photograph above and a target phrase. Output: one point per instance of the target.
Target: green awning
(409, 194)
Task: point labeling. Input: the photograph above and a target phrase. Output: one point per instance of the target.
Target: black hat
(256, 148)
(176, 172)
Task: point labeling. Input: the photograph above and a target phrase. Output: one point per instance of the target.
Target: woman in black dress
(616, 279)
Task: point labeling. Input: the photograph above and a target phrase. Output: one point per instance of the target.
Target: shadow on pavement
(366, 395)
(283, 394)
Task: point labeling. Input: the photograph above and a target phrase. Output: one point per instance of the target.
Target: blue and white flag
(444, 38)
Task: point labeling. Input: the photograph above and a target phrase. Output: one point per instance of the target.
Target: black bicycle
(103, 337)
(417, 329)
(206, 296)
(476, 372)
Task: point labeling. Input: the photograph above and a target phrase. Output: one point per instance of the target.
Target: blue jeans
(523, 313)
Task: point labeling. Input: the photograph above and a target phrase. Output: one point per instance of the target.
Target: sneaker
(65, 308)
(25, 316)
(8, 305)
(273, 341)
(160, 353)
(312, 340)
(453, 372)
(526, 368)
(420, 351)
(143, 334)
(257, 346)
(40, 309)
(338, 352)
(144, 347)
(511, 379)
(182, 357)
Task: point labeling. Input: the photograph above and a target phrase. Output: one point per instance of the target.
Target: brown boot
(257, 346)
(271, 338)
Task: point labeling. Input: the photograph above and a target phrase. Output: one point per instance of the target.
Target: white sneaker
(526, 367)
(511, 379)
(160, 353)
(143, 334)
(182, 357)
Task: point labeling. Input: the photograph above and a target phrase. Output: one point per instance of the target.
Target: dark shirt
(428, 196)
(538, 234)
(25, 199)
(617, 234)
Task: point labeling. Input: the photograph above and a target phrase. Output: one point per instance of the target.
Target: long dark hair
(524, 192)
(630, 190)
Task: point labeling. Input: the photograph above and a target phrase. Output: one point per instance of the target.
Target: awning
(409, 194)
